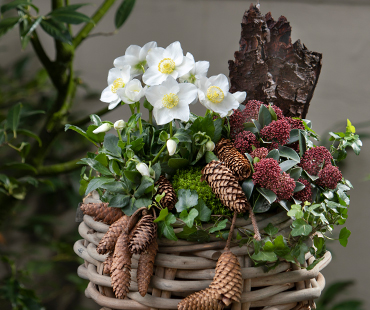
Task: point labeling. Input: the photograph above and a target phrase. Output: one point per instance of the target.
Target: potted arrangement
(229, 209)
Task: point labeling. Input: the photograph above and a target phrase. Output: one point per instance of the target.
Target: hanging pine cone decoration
(121, 267)
(164, 186)
(145, 267)
(101, 212)
(233, 159)
(225, 186)
(107, 264)
(201, 300)
(227, 282)
(108, 242)
(145, 231)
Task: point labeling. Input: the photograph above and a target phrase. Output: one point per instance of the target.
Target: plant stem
(128, 137)
(159, 153)
(132, 108)
(138, 111)
(58, 168)
(171, 130)
(119, 135)
(151, 117)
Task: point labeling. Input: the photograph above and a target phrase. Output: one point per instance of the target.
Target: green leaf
(296, 211)
(26, 35)
(319, 244)
(15, 4)
(119, 201)
(97, 137)
(286, 165)
(343, 236)
(300, 228)
(334, 290)
(188, 218)
(123, 12)
(298, 186)
(162, 215)
(273, 114)
(264, 256)
(182, 135)
(157, 171)
(314, 263)
(281, 248)
(261, 205)
(178, 163)
(96, 183)
(274, 154)
(8, 23)
(247, 187)
(295, 173)
(220, 226)
(294, 136)
(102, 158)
(12, 120)
(137, 144)
(204, 212)
(271, 229)
(133, 176)
(163, 136)
(19, 166)
(114, 167)
(289, 153)
(285, 204)
(146, 186)
(200, 236)
(302, 143)
(80, 131)
(28, 179)
(30, 134)
(210, 156)
(142, 202)
(350, 128)
(218, 130)
(69, 16)
(186, 199)
(299, 252)
(96, 120)
(95, 165)
(269, 195)
(264, 116)
(130, 208)
(186, 232)
(111, 145)
(57, 30)
(165, 228)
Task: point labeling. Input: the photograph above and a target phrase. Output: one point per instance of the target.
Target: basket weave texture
(183, 267)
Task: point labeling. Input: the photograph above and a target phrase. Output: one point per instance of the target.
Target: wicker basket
(182, 268)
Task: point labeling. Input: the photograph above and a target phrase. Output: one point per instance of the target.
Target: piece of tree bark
(272, 69)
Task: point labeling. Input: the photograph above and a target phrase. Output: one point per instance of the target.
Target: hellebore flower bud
(143, 169)
(119, 125)
(103, 128)
(171, 147)
(210, 146)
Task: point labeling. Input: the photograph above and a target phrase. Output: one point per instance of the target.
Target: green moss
(190, 179)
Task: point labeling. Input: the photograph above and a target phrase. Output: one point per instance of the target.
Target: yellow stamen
(167, 66)
(118, 83)
(215, 94)
(170, 100)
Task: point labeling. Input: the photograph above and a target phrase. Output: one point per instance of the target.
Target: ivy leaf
(123, 12)
(281, 248)
(300, 228)
(96, 183)
(204, 213)
(186, 232)
(295, 211)
(271, 229)
(220, 226)
(299, 252)
(264, 256)
(95, 165)
(319, 244)
(188, 218)
(162, 215)
(120, 201)
(57, 30)
(12, 120)
(288, 152)
(343, 236)
(247, 187)
(186, 199)
(314, 263)
(165, 228)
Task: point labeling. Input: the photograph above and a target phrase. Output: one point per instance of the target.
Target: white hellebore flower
(103, 128)
(214, 94)
(117, 79)
(171, 147)
(210, 146)
(132, 92)
(200, 68)
(166, 62)
(119, 125)
(143, 169)
(240, 96)
(135, 56)
(171, 100)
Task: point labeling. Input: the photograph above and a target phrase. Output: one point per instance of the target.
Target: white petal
(155, 93)
(188, 92)
(133, 50)
(174, 51)
(155, 56)
(114, 74)
(220, 81)
(162, 116)
(153, 77)
(201, 68)
(126, 74)
(190, 56)
(240, 96)
(185, 67)
(107, 95)
(114, 103)
(171, 147)
(181, 112)
(122, 61)
(223, 108)
(145, 49)
(171, 85)
(122, 95)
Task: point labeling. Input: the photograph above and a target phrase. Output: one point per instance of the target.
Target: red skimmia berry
(329, 177)
(277, 130)
(266, 172)
(260, 152)
(244, 141)
(295, 123)
(315, 158)
(284, 187)
(306, 193)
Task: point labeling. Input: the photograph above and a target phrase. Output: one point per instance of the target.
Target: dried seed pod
(233, 159)
(145, 267)
(107, 264)
(201, 300)
(164, 186)
(145, 231)
(121, 267)
(108, 242)
(227, 282)
(102, 212)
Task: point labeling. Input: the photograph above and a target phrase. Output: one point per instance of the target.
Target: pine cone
(227, 282)
(225, 186)
(164, 186)
(145, 267)
(108, 242)
(233, 159)
(201, 300)
(107, 264)
(101, 212)
(145, 231)
(121, 267)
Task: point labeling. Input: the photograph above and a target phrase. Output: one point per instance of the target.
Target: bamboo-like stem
(98, 15)
(227, 247)
(58, 168)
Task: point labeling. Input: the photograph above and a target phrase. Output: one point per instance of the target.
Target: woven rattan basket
(182, 268)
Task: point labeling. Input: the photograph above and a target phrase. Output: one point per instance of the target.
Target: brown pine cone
(102, 212)
(121, 267)
(164, 186)
(107, 264)
(145, 267)
(233, 159)
(201, 300)
(225, 186)
(145, 231)
(227, 282)
(108, 242)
